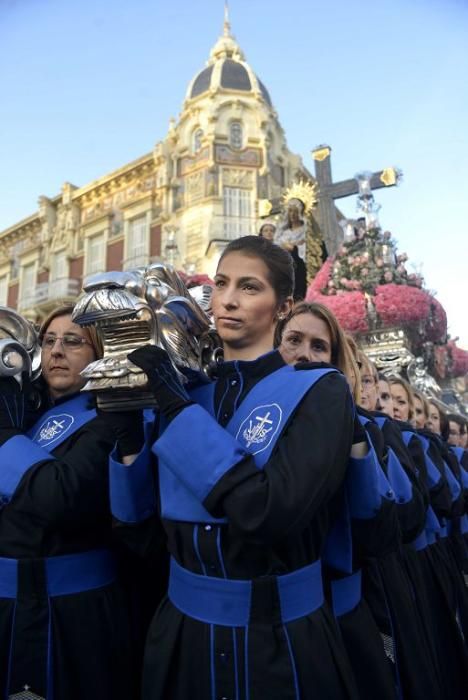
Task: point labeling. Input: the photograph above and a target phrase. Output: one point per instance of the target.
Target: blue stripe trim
(236, 663)
(220, 553)
(10, 652)
(346, 594)
(67, 574)
(50, 670)
(197, 549)
(227, 602)
(293, 664)
(241, 386)
(246, 663)
(212, 664)
(220, 403)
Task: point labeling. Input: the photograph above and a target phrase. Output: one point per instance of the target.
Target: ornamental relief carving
(194, 187)
(248, 156)
(234, 177)
(106, 203)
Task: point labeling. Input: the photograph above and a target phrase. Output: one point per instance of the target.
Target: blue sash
(454, 486)
(346, 593)
(256, 426)
(21, 452)
(433, 474)
(221, 601)
(396, 475)
(60, 576)
(61, 421)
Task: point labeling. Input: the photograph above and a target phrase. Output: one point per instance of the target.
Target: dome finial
(227, 24)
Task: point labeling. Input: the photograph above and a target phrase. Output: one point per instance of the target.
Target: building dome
(227, 70)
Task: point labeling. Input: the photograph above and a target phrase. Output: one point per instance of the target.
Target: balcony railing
(140, 260)
(53, 291)
(228, 228)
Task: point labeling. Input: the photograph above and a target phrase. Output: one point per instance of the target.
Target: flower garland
(368, 260)
(459, 359)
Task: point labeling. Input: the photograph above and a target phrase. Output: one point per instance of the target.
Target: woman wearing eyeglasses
(64, 629)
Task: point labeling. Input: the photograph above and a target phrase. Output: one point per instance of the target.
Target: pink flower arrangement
(396, 304)
(459, 359)
(348, 307)
(320, 281)
(399, 304)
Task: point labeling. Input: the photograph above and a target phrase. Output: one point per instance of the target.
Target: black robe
(61, 507)
(277, 521)
(388, 588)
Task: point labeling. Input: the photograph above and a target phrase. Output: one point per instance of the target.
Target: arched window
(197, 140)
(235, 135)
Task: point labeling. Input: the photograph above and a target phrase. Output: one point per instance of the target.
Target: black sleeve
(73, 487)
(304, 472)
(411, 515)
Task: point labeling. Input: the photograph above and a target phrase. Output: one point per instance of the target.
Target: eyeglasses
(69, 341)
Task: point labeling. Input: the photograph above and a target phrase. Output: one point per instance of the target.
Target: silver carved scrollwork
(420, 379)
(389, 350)
(19, 346)
(148, 305)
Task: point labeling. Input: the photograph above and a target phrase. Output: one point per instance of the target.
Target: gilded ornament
(264, 208)
(321, 153)
(389, 177)
(303, 190)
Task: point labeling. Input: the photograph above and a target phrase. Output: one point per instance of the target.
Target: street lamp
(171, 249)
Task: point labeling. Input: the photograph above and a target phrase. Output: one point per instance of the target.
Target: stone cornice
(125, 174)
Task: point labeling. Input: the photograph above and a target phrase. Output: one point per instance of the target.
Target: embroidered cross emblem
(257, 432)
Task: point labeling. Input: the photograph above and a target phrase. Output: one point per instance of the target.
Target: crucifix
(328, 191)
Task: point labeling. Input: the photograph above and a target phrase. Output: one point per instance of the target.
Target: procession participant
(63, 616)
(437, 421)
(384, 399)
(369, 384)
(421, 409)
(386, 585)
(311, 334)
(246, 509)
(292, 236)
(432, 567)
(267, 230)
(402, 397)
(456, 428)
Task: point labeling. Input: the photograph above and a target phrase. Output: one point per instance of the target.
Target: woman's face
(400, 402)
(294, 212)
(63, 361)
(369, 389)
(306, 338)
(244, 306)
(464, 438)
(433, 420)
(455, 435)
(268, 232)
(419, 413)
(384, 399)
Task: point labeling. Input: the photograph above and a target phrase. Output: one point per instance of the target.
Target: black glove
(162, 379)
(127, 427)
(14, 403)
(13, 407)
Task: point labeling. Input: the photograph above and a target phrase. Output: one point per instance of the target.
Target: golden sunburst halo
(303, 190)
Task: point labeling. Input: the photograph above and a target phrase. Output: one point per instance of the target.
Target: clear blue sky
(88, 86)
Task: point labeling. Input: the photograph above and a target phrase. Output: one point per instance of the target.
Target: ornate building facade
(201, 186)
